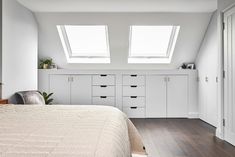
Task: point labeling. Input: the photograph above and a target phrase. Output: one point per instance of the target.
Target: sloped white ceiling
(193, 28)
(120, 5)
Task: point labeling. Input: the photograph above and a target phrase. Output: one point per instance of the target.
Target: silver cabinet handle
(206, 79)
(70, 79)
(168, 79)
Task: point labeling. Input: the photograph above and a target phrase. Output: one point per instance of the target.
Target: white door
(177, 96)
(60, 86)
(155, 96)
(81, 90)
(229, 82)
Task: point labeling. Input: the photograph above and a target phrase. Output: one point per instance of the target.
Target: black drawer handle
(133, 108)
(133, 86)
(133, 75)
(103, 86)
(103, 75)
(103, 97)
(133, 97)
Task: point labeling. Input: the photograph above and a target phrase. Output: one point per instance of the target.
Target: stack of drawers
(103, 90)
(134, 95)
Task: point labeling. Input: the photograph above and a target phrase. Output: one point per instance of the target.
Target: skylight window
(152, 44)
(85, 44)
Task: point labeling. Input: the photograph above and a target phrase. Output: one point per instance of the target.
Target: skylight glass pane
(150, 41)
(87, 41)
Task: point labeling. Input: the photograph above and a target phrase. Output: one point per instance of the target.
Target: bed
(67, 131)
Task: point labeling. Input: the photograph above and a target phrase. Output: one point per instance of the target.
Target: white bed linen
(66, 131)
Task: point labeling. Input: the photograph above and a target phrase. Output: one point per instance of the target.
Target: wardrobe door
(177, 96)
(203, 96)
(81, 90)
(60, 86)
(212, 100)
(155, 96)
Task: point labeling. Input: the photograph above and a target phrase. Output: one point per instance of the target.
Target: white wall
(19, 49)
(207, 65)
(193, 27)
(223, 4)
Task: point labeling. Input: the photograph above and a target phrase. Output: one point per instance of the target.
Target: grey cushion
(30, 97)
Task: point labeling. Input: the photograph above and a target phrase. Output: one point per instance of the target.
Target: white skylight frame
(161, 59)
(82, 58)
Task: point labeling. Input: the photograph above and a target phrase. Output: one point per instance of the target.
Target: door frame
(220, 131)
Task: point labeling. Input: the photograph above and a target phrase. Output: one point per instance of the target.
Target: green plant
(45, 61)
(47, 98)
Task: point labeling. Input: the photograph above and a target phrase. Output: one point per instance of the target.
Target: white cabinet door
(177, 96)
(211, 100)
(155, 96)
(60, 86)
(81, 90)
(203, 97)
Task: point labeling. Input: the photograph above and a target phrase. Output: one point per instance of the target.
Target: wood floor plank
(181, 138)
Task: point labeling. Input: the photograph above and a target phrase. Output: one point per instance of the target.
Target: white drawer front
(103, 100)
(103, 90)
(133, 80)
(134, 112)
(134, 90)
(133, 101)
(103, 79)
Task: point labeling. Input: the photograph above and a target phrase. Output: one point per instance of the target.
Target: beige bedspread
(66, 131)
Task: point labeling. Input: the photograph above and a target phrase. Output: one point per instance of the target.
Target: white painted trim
(219, 134)
(193, 115)
(228, 8)
(229, 137)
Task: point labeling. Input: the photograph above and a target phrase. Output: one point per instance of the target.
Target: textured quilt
(67, 131)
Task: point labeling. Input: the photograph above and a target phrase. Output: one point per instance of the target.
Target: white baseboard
(219, 134)
(193, 115)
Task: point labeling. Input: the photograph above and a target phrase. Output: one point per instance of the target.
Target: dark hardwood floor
(181, 138)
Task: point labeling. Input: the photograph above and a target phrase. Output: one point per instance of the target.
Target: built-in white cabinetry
(103, 90)
(156, 96)
(133, 92)
(60, 86)
(139, 94)
(71, 89)
(177, 96)
(80, 89)
(166, 96)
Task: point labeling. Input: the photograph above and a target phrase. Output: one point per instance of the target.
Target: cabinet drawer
(103, 79)
(133, 80)
(103, 100)
(134, 90)
(103, 90)
(134, 112)
(133, 101)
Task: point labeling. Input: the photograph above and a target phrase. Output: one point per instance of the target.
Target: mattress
(67, 131)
